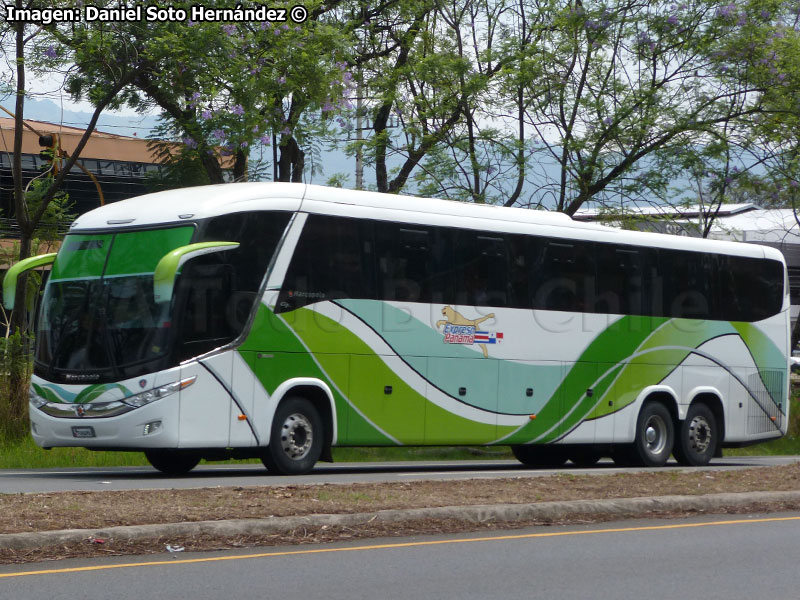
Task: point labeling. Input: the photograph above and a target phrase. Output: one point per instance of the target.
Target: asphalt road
(750, 556)
(221, 474)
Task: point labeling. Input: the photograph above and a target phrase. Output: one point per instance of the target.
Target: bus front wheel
(297, 437)
(698, 437)
(172, 462)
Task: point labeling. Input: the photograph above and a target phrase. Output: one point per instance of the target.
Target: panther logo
(460, 330)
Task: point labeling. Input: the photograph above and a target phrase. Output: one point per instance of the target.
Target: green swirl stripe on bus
(58, 395)
(612, 366)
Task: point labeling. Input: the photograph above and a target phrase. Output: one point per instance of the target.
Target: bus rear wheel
(655, 436)
(172, 462)
(540, 457)
(295, 444)
(698, 437)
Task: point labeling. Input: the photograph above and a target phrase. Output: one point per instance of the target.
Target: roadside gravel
(34, 526)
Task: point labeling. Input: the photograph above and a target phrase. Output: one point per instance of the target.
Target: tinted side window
(564, 276)
(414, 263)
(333, 259)
(686, 280)
(749, 289)
(624, 279)
(481, 268)
(217, 291)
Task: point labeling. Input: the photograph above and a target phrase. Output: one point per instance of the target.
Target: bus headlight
(37, 400)
(163, 391)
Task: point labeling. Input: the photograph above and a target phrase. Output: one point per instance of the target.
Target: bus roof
(191, 204)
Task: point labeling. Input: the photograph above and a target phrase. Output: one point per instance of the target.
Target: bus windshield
(98, 312)
(100, 321)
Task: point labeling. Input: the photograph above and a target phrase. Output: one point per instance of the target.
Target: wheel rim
(700, 436)
(297, 436)
(655, 435)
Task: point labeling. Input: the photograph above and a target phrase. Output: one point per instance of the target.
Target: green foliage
(16, 366)
(57, 211)
(337, 180)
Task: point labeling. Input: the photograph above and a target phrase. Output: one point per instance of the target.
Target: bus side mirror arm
(167, 267)
(10, 280)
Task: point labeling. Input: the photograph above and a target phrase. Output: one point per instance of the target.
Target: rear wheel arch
(714, 402)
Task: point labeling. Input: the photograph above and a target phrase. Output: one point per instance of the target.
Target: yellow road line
(550, 534)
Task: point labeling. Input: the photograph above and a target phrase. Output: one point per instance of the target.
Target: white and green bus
(279, 320)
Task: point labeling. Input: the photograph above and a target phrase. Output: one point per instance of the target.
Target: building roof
(101, 145)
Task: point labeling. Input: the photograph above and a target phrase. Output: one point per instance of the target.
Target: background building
(119, 163)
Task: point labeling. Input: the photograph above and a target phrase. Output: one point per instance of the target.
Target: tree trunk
(291, 162)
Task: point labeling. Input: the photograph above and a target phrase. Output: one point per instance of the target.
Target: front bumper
(121, 431)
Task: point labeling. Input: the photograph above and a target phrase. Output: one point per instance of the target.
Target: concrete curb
(494, 513)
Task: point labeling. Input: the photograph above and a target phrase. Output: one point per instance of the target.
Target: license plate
(83, 432)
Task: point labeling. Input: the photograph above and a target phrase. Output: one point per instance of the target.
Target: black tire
(172, 462)
(698, 437)
(540, 457)
(297, 438)
(655, 436)
(585, 457)
(623, 455)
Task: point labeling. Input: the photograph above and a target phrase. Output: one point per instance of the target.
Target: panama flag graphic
(488, 337)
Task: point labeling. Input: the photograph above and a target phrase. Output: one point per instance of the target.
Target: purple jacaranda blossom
(765, 14)
(219, 134)
(285, 27)
(672, 20)
(281, 80)
(238, 109)
(243, 145)
(327, 107)
(206, 114)
(608, 121)
(51, 52)
(265, 25)
(265, 139)
(191, 23)
(190, 142)
(276, 31)
(726, 11)
(229, 29)
(286, 131)
(793, 184)
(255, 129)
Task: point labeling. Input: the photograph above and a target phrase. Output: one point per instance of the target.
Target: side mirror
(10, 280)
(167, 267)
